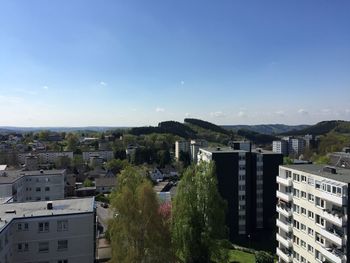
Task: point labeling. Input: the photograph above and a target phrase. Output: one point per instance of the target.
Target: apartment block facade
(26, 186)
(61, 231)
(246, 180)
(105, 155)
(312, 222)
(181, 146)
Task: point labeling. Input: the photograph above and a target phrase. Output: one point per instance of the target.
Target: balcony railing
(284, 254)
(333, 254)
(286, 241)
(284, 196)
(334, 216)
(284, 210)
(285, 226)
(284, 181)
(333, 235)
(332, 198)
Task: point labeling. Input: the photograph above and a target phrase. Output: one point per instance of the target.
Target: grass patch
(242, 257)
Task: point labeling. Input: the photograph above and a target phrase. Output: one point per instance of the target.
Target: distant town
(285, 195)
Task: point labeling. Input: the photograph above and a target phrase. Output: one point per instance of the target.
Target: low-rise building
(61, 231)
(24, 186)
(105, 155)
(105, 185)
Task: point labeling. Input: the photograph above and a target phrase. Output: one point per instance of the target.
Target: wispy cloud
(280, 113)
(10, 99)
(217, 114)
(187, 114)
(303, 112)
(182, 82)
(325, 111)
(242, 114)
(45, 87)
(159, 109)
(102, 83)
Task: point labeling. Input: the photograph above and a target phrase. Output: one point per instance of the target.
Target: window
(319, 220)
(26, 226)
(62, 225)
(296, 224)
(296, 208)
(296, 192)
(303, 211)
(319, 238)
(21, 247)
(320, 202)
(43, 227)
(62, 244)
(43, 247)
(311, 198)
(311, 215)
(38, 189)
(296, 177)
(310, 249)
(303, 194)
(19, 226)
(302, 227)
(303, 178)
(310, 181)
(310, 231)
(303, 243)
(62, 261)
(47, 188)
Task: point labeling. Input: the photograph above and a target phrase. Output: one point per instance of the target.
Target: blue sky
(128, 63)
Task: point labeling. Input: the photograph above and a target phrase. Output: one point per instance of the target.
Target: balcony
(285, 226)
(332, 235)
(284, 254)
(336, 199)
(334, 255)
(285, 241)
(336, 217)
(284, 196)
(284, 181)
(284, 210)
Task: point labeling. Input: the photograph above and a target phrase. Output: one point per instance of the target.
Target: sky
(133, 63)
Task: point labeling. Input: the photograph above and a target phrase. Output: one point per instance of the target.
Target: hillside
(172, 127)
(266, 128)
(323, 127)
(206, 125)
(256, 137)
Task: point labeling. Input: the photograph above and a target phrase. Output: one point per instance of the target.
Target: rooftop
(230, 150)
(10, 211)
(7, 177)
(341, 175)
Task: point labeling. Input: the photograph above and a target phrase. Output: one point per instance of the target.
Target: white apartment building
(45, 157)
(24, 186)
(181, 146)
(105, 155)
(313, 214)
(280, 147)
(194, 148)
(61, 231)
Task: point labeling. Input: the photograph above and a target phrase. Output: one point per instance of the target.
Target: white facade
(32, 185)
(181, 146)
(312, 215)
(106, 155)
(280, 147)
(296, 146)
(45, 157)
(31, 232)
(194, 148)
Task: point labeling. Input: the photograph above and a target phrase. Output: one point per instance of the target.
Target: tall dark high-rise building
(247, 181)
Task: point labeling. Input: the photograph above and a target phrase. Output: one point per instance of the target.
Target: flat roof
(342, 174)
(39, 209)
(7, 177)
(231, 150)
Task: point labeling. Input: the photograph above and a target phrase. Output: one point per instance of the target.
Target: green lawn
(240, 256)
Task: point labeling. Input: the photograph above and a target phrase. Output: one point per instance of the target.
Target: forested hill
(266, 128)
(322, 128)
(206, 125)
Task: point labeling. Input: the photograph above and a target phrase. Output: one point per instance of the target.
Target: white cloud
(187, 115)
(326, 111)
(102, 83)
(303, 111)
(242, 114)
(280, 113)
(45, 87)
(217, 114)
(10, 99)
(159, 109)
(182, 82)
(347, 111)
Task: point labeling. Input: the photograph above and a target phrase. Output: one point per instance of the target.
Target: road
(103, 215)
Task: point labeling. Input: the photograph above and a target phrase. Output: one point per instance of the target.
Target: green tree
(88, 183)
(72, 142)
(263, 257)
(287, 160)
(198, 219)
(138, 232)
(164, 157)
(116, 165)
